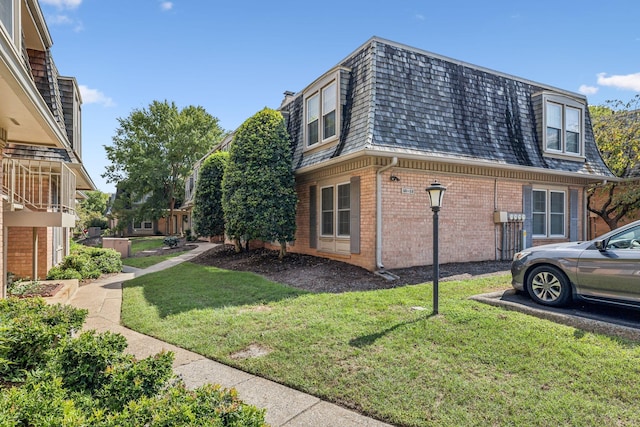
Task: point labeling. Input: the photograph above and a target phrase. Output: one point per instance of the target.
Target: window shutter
(355, 215)
(527, 195)
(573, 215)
(313, 217)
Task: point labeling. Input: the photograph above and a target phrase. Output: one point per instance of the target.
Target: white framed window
(344, 210)
(312, 119)
(6, 16)
(549, 209)
(321, 122)
(335, 210)
(563, 120)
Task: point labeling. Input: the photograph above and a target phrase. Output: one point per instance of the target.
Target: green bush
(86, 262)
(171, 241)
(58, 273)
(131, 380)
(40, 401)
(30, 328)
(89, 380)
(83, 361)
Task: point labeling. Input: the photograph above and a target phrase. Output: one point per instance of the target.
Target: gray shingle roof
(405, 100)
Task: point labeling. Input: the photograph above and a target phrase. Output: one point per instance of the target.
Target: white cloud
(420, 17)
(63, 4)
(588, 90)
(166, 5)
(94, 96)
(59, 20)
(629, 81)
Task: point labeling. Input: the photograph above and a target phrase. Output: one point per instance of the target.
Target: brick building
(372, 133)
(41, 142)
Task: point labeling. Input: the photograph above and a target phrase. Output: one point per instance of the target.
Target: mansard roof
(400, 100)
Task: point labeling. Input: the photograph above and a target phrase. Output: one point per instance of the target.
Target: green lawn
(139, 244)
(473, 364)
(147, 261)
(147, 243)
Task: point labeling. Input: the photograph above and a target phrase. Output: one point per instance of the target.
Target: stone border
(589, 325)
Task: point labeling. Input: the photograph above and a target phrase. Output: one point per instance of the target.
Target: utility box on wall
(500, 217)
(120, 244)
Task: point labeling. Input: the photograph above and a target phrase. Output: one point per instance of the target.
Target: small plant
(22, 287)
(171, 241)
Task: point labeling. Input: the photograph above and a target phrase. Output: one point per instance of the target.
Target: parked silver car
(606, 269)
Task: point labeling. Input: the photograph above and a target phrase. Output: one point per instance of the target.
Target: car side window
(630, 239)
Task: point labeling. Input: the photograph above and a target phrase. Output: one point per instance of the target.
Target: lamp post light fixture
(436, 192)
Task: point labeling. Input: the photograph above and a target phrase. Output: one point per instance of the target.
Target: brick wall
(467, 231)
(466, 228)
(20, 251)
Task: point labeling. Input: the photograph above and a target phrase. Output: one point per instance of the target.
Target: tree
(258, 189)
(208, 216)
(616, 127)
(92, 210)
(154, 150)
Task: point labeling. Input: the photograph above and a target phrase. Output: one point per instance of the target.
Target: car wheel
(549, 286)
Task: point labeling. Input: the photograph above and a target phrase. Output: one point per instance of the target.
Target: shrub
(58, 273)
(83, 361)
(30, 328)
(86, 263)
(208, 217)
(89, 380)
(171, 241)
(131, 380)
(41, 401)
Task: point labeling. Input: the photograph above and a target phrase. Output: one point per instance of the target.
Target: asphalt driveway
(599, 318)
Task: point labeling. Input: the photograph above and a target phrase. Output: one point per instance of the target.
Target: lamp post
(436, 191)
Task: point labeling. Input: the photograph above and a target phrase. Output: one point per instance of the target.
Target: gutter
(456, 160)
(394, 162)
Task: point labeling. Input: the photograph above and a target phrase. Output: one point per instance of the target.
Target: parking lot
(615, 321)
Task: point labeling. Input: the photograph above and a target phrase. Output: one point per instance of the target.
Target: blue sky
(235, 57)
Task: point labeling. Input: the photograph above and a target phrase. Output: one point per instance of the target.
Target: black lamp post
(436, 191)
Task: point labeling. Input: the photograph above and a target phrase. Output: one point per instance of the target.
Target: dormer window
(321, 112)
(563, 132)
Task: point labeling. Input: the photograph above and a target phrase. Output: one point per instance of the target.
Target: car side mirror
(601, 245)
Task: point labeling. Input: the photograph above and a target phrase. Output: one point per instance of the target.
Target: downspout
(393, 163)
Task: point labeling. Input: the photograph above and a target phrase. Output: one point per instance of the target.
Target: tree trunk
(237, 245)
(283, 250)
(172, 204)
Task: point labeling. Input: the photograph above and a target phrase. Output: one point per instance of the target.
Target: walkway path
(285, 406)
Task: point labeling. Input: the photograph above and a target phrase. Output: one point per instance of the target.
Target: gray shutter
(573, 215)
(313, 217)
(527, 201)
(355, 214)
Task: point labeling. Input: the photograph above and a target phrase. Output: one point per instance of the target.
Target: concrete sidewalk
(285, 406)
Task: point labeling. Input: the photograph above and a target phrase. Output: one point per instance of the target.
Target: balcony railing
(39, 185)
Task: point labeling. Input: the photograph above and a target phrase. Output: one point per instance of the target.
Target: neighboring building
(40, 138)
(369, 135)
(147, 227)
